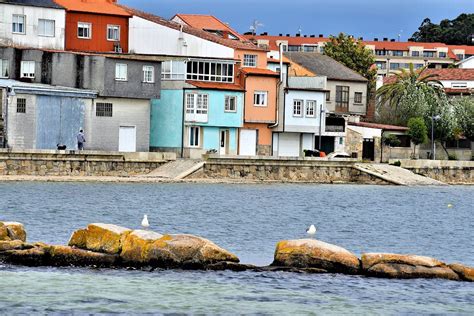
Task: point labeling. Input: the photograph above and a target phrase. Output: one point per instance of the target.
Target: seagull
(311, 231)
(145, 223)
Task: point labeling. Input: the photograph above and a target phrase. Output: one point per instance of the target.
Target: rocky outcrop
(315, 254)
(12, 231)
(106, 238)
(398, 266)
(465, 273)
(69, 256)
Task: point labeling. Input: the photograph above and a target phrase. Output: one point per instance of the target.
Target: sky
(361, 18)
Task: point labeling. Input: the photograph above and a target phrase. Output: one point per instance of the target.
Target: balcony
(196, 118)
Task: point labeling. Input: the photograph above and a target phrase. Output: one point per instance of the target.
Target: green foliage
(396, 163)
(391, 140)
(353, 54)
(454, 32)
(464, 111)
(417, 130)
(452, 157)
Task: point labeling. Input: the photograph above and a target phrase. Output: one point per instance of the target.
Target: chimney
(264, 34)
(392, 40)
(281, 34)
(312, 35)
(321, 35)
(376, 39)
(288, 35)
(361, 38)
(297, 34)
(385, 39)
(305, 35)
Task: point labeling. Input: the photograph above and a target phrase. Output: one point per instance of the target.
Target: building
(124, 85)
(32, 23)
(466, 63)
(95, 26)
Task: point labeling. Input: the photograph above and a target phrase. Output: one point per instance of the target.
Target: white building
(32, 23)
(467, 63)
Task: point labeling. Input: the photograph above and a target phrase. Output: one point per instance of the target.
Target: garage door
(289, 145)
(127, 139)
(248, 142)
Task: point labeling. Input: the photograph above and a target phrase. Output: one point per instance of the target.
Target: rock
(311, 253)
(106, 238)
(37, 256)
(398, 266)
(11, 245)
(3, 232)
(466, 273)
(168, 251)
(16, 231)
(232, 266)
(69, 256)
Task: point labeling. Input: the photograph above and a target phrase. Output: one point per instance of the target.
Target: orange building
(95, 25)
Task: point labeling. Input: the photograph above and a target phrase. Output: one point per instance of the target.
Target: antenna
(254, 27)
(300, 30)
(400, 35)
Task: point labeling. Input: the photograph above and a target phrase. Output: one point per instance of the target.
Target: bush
(452, 157)
(396, 163)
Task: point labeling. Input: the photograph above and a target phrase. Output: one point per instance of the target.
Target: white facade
(33, 33)
(458, 84)
(147, 37)
(467, 63)
(306, 121)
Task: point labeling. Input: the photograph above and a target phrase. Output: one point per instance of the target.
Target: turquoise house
(197, 117)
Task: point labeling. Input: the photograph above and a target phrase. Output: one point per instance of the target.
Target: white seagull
(145, 223)
(311, 231)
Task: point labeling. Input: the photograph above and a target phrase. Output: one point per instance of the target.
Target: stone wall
(286, 170)
(73, 163)
(447, 171)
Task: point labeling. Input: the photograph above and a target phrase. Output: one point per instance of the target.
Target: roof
(191, 30)
(379, 126)
(466, 74)
(458, 91)
(216, 85)
(108, 7)
(277, 61)
(39, 88)
(323, 65)
(259, 72)
(208, 22)
(34, 3)
(465, 60)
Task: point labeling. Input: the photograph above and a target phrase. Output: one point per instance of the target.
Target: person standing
(81, 139)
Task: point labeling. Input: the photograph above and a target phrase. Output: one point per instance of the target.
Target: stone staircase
(396, 175)
(176, 170)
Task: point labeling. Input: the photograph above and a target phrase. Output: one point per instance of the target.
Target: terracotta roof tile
(466, 74)
(259, 71)
(458, 91)
(215, 85)
(34, 3)
(108, 7)
(379, 126)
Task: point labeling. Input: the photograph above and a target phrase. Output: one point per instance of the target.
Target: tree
(353, 54)
(417, 131)
(455, 32)
(464, 111)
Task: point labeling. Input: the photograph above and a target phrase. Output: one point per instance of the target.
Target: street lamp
(321, 112)
(433, 147)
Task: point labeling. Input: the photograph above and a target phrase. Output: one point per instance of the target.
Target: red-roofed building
(95, 25)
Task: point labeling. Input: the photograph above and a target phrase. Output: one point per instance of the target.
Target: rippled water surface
(248, 220)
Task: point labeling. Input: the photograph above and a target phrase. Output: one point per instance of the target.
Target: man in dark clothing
(81, 139)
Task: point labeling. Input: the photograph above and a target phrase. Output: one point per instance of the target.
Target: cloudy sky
(367, 18)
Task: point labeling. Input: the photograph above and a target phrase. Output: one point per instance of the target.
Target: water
(247, 220)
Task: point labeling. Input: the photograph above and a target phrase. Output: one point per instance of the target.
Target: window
(380, 52)
(194, 136)
(442, 54)
(415, 54)
(294, 48)
(460, 56)
(397, 53)
(20, 105)
(260, 98)
(113, 32)
(173, 70)
(404, 140)
(342, 96)
(418, 66)
(310, 108)
(381, 64)
(358, 97)
(394, 66)
(121, 72)
(310, 48)
(3, 68)
(459, 85)
(297, 107)
(84, 30)
(210, 71)
(428, 54)
(197, 107)
(27, 69)
(250, 60)
(148, 74)
(230, 104)
(46, 27)
(328, 96)
(18, 24)
(103, 109)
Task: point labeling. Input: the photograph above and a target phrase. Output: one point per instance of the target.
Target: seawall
(447, 171)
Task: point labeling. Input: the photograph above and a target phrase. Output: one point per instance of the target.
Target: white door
(289, 145)
(248, 142)
(128, 139)
(223, 142)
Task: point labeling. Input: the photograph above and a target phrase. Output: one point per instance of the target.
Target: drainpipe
(381, 146)
(182, 123)
(277, 116)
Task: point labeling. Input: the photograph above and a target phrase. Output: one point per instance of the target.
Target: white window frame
(214, 71)
(459, 85)
(310, 110)
(114, 28)
(197, 107)
(42, 30)
(298, 105)
(27, 69)
(250, 60)
(227, 104)
(4, 71)
(121, 72)
(17, 23)
(361, 97)
(173, 70)
(148, 74)
(192, 137)
(84, 25)
(257, 98)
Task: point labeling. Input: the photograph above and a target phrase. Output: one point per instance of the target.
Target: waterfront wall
(74, 163)
(447, 171)
(286, 170)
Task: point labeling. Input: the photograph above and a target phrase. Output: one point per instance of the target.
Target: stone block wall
(447, 171)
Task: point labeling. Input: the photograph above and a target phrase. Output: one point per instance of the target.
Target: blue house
(197, 117)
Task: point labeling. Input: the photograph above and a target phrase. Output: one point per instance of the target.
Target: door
(368, 149)
(128, 139)
(223, 144)
(327, 143)
(248, 142)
